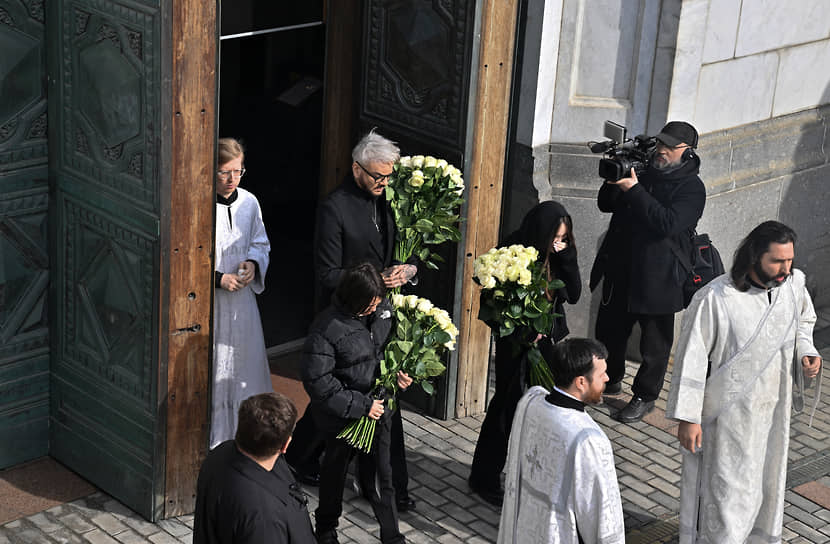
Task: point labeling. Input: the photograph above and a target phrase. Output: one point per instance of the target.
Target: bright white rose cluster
(505, 264)
(441, 317)
(420, 162)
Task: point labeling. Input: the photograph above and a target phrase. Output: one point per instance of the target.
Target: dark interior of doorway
(271, 98)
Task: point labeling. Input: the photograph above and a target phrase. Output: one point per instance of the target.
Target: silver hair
(375, 148)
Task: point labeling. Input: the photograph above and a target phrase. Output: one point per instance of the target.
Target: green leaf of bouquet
(542, 324)
(420, 369)
(424, 225)
(437, 258)
(431, 265)
(424, 254)
(404, 346)
(427, 387)
(531, 314)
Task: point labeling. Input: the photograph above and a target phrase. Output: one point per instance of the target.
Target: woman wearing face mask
(548, 228)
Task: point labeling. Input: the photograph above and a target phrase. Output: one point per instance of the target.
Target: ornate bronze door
(105, 123)
(415, 87)
(24, 261)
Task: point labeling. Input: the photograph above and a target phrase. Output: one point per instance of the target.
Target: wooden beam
(339, 110)
(189, 250)
(485, 178)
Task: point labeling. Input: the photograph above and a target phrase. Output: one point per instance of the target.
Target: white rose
(405, 161)
(417, 179)
(489, 282)
(442, 164)
(411, 301)
(430, 162)
(424, 305)
(525, 277)
(397, 300)
(417, 161)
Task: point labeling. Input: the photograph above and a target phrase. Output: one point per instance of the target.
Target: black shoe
(405, 504)
(494, 496)
(634, 410)
(327, 537)
(309, 478)
(613, 388)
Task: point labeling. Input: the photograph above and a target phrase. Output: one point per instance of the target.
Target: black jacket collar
(564, 401)
(227, 201)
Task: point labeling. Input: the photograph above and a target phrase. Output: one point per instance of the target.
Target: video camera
(622, 154)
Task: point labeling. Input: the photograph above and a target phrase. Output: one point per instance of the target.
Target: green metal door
(24, 262)
(104, 65)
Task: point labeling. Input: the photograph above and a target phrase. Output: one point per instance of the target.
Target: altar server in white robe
(745, 341)
(561, 485)
(240, 364)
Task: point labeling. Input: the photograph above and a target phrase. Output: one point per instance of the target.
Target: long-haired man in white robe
(240, 363)
(745, 339)
(561, 485)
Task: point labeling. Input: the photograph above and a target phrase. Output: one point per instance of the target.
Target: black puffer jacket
(636, 258)
(537, 229)
(341, 360)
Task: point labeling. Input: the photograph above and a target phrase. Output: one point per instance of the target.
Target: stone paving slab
(439, 452)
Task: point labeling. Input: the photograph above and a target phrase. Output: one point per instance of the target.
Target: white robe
(560, 475)
(240, 364)
(732, 492)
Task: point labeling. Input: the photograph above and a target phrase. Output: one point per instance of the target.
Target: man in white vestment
(240, 364)
(745, 341)
(561, 485)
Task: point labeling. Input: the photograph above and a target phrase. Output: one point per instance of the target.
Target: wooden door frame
(485, 169)
(186, 260)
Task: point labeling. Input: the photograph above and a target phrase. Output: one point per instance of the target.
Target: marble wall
(742, 61)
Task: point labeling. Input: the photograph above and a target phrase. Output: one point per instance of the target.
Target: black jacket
(537, 229)
(341, 360)
(238, 502)
(346, 235)
(636, 258)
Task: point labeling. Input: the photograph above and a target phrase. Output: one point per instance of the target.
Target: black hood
(539, 226)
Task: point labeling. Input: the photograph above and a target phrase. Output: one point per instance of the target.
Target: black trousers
(333, 477)
(308, 443)
(614, 324)
(490, 454)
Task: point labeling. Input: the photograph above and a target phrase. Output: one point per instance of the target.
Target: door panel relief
(105, 107)
(24, 260)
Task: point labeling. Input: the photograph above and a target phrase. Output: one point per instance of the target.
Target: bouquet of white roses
(425, 195)
(420, 337)
(515, 303)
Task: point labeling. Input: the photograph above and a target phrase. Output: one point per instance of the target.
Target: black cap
(678, 132)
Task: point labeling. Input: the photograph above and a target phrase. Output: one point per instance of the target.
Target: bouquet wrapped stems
(360, 433)
(538, 371)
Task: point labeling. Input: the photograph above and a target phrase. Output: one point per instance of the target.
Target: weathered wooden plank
(189, 230)
(485, 178)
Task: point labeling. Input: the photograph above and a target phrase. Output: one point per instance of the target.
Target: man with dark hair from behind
(745, 342)
(561, 485)
(246, 492)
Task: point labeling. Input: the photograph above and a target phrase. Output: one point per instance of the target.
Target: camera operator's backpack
(701, 267)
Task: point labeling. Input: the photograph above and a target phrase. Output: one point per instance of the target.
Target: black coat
(238, 502)
(346, 235)
(537, 229)
(636, 258)
(341, 360)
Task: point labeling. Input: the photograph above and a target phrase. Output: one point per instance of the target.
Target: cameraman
(642, 280)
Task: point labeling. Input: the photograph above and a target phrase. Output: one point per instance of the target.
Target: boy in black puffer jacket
(341, 360)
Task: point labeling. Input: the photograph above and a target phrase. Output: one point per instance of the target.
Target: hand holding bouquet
(515, 303)
(421, 336)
